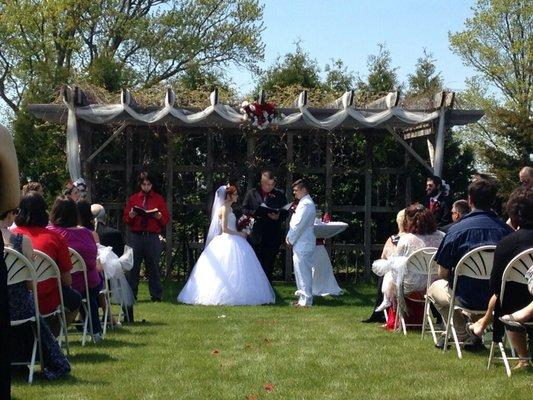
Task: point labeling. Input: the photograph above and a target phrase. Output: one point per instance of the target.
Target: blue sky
(351, 29)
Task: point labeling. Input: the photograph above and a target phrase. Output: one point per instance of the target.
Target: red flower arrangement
(245, 224)
(261, 115)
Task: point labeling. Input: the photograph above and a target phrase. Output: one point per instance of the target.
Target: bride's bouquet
(245, 224)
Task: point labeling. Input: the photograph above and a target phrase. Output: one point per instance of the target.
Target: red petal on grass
(268, 387)
(215, 352)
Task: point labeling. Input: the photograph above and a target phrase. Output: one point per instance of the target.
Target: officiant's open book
(143, 212)
(263, 210)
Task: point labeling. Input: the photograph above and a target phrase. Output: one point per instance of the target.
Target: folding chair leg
(456, 340)
(491, 354)
(432, 330)
(505, 360)
(33, 357)
(404, 328)
(384, 313)
(424, 319)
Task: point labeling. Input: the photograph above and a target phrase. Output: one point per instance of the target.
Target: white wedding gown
(227, 273)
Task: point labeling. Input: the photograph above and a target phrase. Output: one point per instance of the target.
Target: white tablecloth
(324, 282)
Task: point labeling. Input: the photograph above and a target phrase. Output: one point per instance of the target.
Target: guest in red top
(145, 228)
(31, 222)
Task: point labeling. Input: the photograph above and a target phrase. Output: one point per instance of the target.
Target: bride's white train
(228, 271)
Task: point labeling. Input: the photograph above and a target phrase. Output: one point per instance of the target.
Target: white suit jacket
(302, 233)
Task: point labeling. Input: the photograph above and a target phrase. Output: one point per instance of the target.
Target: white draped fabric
(347, 114)
(324, 282)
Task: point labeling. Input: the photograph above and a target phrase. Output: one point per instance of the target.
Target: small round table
(324, 282)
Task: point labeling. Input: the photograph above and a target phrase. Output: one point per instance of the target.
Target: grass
(325, 352)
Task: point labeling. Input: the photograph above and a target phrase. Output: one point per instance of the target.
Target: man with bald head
(526, 176)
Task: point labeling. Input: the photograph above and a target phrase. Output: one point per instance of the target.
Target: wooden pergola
(385, 116)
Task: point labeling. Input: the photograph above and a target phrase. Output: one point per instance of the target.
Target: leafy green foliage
(497, 43)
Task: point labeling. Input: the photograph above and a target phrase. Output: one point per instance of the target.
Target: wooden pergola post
(329, 171)
(170, 200)
(288, 190)
(251, 142)
(367, 241)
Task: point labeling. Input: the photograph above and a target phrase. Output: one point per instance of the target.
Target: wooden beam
(109, 140)
(406, 146)
(362, 209)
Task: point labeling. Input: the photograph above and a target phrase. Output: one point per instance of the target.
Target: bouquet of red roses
(245, 224)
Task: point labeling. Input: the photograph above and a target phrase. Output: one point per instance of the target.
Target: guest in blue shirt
(480, 227)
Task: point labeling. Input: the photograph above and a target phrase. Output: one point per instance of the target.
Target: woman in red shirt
(31, 222)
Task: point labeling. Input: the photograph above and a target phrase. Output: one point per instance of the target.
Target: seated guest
(388, 250)
(420, 231)
(31, 222)
(478, 228)
(459, 209)
(71, 191)
(526, 176)
(517, 296)
(85, 217)
(32, 186)
(64, 221)
(108, 236)
(21, 306)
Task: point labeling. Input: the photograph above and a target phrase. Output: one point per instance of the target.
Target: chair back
(477, 263)
(78, 265)
(19, 268)
(421, 261)
(45, 267)
(516, 270)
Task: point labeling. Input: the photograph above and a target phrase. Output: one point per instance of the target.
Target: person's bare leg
(481, 324)
(525, 314)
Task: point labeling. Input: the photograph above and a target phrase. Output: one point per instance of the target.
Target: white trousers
(303, 272)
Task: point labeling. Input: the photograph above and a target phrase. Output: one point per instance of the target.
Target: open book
(263, 210)
(142, 212)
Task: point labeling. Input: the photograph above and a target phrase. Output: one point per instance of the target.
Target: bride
(228, 271)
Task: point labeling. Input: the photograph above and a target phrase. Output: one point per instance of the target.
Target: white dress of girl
(227, 273)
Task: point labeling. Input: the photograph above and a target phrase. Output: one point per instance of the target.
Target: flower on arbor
(260, 114)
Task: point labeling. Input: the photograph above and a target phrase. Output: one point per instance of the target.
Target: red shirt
(151, 224)
(56, 247)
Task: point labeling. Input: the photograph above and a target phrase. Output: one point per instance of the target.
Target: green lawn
(325, 352)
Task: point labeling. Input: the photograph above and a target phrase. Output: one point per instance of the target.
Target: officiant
(267, 233)
(146, 214)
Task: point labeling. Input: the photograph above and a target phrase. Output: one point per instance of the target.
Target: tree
(425, 81)
(112, 44)
(294, 69)
(138, 43)
(382, 76)
(497, 43)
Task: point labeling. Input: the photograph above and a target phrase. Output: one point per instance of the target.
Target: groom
(301, 237)
(266, 234)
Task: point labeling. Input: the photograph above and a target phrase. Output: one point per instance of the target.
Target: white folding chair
(78, 265)
(476, 264)
(417, 263)
(514, 272)
(427, 322)
(46, 268)
(20, 269)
